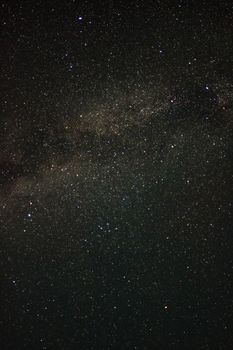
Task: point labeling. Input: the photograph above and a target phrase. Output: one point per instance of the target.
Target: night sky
(116, 175)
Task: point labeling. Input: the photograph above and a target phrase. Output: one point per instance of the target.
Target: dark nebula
(116, 175)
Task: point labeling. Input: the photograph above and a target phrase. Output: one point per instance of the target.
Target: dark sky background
(116, 175)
